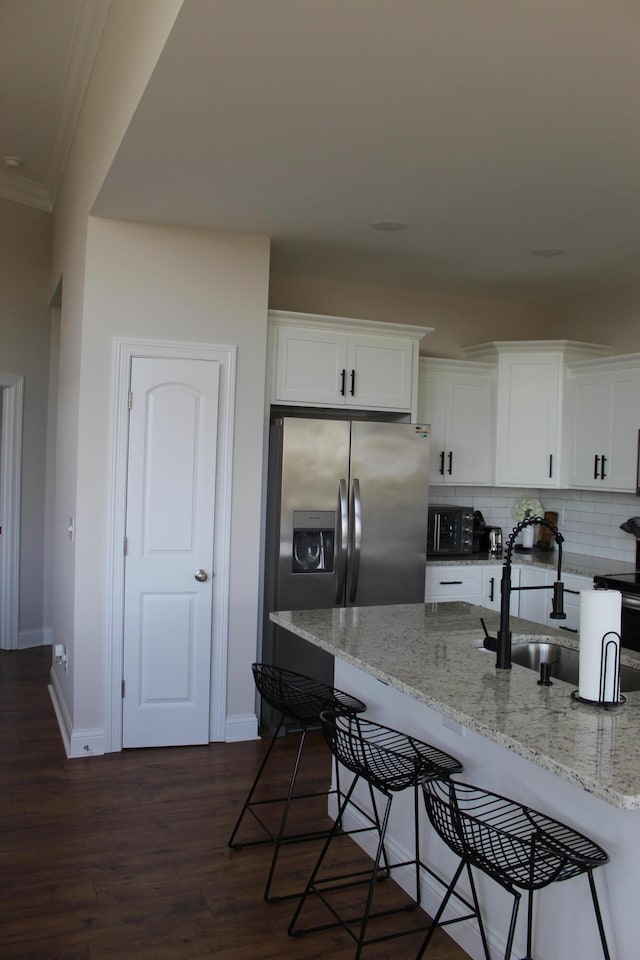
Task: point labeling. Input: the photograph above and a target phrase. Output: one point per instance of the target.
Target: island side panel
(564, 921)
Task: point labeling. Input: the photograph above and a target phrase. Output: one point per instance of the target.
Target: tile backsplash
(588, 520)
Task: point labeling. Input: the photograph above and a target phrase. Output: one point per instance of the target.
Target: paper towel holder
(606, 646)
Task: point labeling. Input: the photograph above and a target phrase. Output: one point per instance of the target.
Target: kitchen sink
(564, 663)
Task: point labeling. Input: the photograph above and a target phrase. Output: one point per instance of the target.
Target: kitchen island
(421, 668)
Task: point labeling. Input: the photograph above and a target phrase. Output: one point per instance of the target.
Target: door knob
(201, 576)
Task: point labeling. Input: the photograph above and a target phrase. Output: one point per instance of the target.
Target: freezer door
(315, 463)
(388, 513)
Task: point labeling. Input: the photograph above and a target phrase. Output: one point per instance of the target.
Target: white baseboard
(243, 726)
(40, 637)
(77, 743)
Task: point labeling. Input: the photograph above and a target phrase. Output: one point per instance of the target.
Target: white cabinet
(529, 421)
(473, 582)
(492, 592)
(535, 603)
(453, 582)
(604, 415)
(573, 584)
(336, 362)
(456, 398)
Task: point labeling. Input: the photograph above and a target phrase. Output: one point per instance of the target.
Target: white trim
(243, 726)
(124, 352)
(40, 637)
(10, 495)
(77, 743)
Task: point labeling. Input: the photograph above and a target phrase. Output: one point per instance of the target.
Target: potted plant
(528, 507)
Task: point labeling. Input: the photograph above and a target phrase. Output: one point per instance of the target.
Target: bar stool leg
(247, 802)
(283, 823)
(440, 911)
(596, 907)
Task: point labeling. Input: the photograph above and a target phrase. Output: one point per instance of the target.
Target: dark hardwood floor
(122, 856)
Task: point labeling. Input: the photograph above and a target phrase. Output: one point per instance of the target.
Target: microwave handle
(435, 545)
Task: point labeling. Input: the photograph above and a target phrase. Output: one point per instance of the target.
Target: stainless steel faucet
(503, 643)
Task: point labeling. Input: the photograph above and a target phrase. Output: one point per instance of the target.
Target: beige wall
(133, 38)
(164, 283)
(611, 317)
(25, 241)
(458, 321)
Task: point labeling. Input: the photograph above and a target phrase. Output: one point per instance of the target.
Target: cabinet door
(590, 403)
(311, 367)
(460, 411)
(432, 409)
(535, 605)
(469, 431)
(528, 420)
(379, 373)
(605, 417)
(492, 592)
(573, 584)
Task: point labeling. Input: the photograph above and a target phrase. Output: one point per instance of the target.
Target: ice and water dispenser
(313, 541)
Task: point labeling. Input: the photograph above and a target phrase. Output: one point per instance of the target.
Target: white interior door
(168, 566)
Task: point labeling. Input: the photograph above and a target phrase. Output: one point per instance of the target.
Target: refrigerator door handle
(356, 534)
(343, 534)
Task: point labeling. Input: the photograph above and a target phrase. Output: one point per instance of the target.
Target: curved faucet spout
(503, 654)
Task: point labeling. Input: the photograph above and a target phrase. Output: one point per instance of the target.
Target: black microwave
(450, 530)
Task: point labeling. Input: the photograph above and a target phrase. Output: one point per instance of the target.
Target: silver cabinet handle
(201, 576)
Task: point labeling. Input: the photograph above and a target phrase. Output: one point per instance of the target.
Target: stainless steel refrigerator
(346, 524)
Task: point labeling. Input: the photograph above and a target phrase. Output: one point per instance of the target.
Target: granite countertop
(433, 652)
(580, 564)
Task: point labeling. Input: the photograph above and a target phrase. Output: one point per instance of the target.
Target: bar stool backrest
(298, 696)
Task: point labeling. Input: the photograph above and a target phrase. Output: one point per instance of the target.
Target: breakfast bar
(422, 668)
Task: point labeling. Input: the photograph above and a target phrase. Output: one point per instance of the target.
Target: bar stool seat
(519, 847)
(390, 762)
(303, 699)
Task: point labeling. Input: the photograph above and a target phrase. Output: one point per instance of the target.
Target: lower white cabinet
(475, 583)
(492, 590)
(446, 582)
(573, 584)
(535, 604)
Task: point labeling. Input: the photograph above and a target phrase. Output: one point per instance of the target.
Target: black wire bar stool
(520, 848)
(390, 762)
(302, 699)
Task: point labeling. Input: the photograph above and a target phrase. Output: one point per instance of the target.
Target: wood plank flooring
(125, 856)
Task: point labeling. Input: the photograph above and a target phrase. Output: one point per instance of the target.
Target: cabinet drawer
(454, 583)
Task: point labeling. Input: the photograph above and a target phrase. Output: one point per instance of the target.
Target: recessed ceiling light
(547, 252)
(388, 225)
(12, 163)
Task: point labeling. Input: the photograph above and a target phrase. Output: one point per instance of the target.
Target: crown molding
(89, 25)
(87, 35)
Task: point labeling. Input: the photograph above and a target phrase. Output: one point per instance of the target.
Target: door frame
(124, 351)
(12, 387)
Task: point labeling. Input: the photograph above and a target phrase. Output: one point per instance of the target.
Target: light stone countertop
(580, 564)
(432, 652)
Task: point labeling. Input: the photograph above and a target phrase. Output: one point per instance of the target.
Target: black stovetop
(626, 582)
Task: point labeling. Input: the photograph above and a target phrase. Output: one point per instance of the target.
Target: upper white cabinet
(530, 407)
(337, 362)
(456, 398)
(603, 404)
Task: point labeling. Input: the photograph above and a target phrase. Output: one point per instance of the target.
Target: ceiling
(491, 129)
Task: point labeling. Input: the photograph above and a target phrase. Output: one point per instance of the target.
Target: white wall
(146, 281)
(133, 38)
(25, 241)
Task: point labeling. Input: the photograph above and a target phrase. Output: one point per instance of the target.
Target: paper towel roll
(600, 614)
